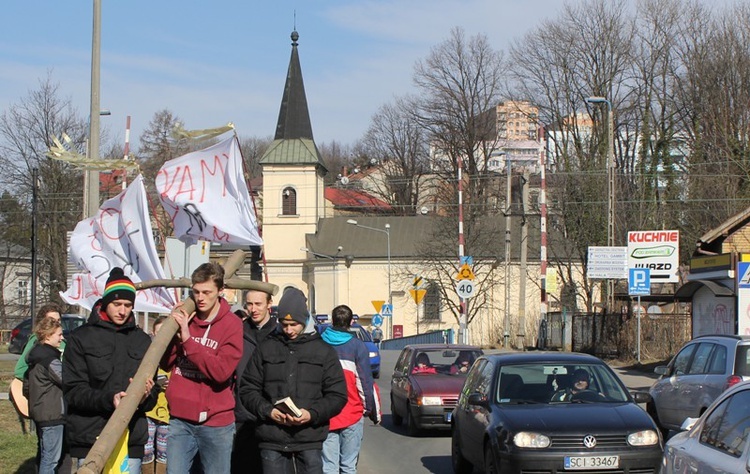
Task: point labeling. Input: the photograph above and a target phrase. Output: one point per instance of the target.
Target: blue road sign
(377, 320)
(467, 259)
(639, 281)
(743, 274)
(387, 310)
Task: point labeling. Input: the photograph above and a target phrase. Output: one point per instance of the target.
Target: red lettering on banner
(77, 288)
(655, 236)
(184, 179)
(108, 214)
(219, 236)
(94, 290)
(205, 169)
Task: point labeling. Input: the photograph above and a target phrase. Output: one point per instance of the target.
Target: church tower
(293, 172)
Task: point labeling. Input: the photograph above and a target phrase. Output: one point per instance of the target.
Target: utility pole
(524, 258)
(92, 176)
(508, 197)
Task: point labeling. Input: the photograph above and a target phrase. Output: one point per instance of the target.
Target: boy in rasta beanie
(310, 374)
(101, 358)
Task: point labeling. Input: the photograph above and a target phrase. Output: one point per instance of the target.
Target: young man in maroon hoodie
(202, 359)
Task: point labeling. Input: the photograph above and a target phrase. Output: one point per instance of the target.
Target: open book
(286, 405)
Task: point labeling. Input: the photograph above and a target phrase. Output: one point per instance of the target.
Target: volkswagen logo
(589, 441)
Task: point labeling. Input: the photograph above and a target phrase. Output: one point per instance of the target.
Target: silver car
(718, 441)
(696, 376)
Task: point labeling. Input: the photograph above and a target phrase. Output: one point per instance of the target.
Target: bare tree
(396, 142)
(26, 131)
(459, 87)
(584, 52)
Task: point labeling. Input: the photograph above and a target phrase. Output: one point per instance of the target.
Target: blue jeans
(341, 449)
(308, 461)
(186, 439)
(134, 465)
(50, 447)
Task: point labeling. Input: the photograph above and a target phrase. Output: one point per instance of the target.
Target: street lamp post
(335, 259)
(387, 233)
(610, 187)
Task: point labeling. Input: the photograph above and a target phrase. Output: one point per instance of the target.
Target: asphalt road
(387, 448)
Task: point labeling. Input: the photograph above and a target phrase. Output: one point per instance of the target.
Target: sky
(211, 63)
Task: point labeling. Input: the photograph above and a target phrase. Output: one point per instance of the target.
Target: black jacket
(250, 337)
(46, 404)
(306, 369)
(100, 358)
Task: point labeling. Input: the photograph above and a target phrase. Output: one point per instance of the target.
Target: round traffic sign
(465, 288)
(377, 320)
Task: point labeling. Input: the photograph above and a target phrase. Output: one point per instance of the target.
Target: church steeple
(294, 117)
(293, 143)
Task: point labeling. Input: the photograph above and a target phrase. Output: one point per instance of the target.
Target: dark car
(426, 382)
(21, 333)
(551, 413)
(702, 369)
(718, 441)
(364, 336)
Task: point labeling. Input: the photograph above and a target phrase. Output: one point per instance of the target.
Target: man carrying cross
(203, 358)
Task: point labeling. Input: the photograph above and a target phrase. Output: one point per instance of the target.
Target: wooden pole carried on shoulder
(118, 422)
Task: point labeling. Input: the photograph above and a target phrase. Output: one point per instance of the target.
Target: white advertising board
(657, 250)
(607, 263)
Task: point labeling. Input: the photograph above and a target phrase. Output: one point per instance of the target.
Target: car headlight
(643, 438)
(373, 354)
(431, 401)
(526, 439)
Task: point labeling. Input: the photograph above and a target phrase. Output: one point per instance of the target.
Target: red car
(426, 383)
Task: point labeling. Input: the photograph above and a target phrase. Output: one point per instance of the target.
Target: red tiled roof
(350, 198)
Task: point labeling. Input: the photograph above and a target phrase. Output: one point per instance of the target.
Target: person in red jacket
(202, 360)
(344, 440)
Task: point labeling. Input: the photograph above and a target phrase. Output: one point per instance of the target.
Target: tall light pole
(92, 176)
(387, 233)
(335, 259)
(610, 188)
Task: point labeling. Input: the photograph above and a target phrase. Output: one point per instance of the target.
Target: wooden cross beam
(118, 422)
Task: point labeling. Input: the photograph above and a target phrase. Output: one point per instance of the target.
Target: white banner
(120, 235)
(205, 195)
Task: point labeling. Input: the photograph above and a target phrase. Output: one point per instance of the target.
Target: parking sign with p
(639, 281)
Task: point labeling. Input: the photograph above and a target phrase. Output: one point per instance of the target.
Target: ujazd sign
(657, 250)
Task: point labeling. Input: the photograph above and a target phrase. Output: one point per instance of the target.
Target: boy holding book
(301, 366)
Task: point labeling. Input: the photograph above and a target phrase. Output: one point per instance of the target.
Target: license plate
(591, 462)
(448, 416)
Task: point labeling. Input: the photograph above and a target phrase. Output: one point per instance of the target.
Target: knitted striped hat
(118, 287)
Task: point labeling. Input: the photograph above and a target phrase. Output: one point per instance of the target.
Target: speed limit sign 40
(465, 288)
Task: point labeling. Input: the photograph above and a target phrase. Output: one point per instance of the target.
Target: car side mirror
(688, 424)
(641, 397)
(661, 370)
(477, 398)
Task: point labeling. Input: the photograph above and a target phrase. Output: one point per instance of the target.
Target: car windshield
(558, 383)
(443, 361)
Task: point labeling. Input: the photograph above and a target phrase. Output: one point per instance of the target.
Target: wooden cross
(118, 422)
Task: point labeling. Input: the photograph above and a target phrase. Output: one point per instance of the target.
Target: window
(700, 360)
(682, 360)
(22, 290)
(718, 360)
(728, 426)
(432, 302)
(289, 202)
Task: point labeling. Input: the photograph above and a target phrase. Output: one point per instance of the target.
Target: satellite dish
(344, 180)
(424, 210)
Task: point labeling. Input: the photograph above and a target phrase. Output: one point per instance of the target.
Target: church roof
(293, 143)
